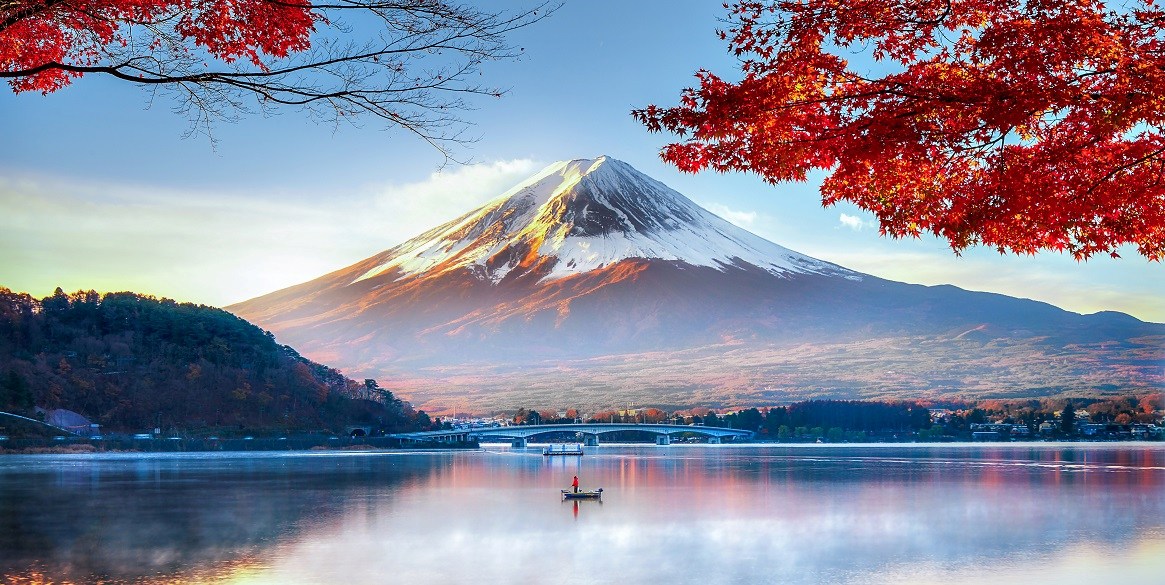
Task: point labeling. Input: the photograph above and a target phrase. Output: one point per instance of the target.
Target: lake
(700, 514)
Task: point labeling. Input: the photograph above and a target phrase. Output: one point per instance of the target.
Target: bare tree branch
(414, 68)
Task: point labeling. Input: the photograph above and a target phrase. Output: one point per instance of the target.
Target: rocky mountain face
(593, 285)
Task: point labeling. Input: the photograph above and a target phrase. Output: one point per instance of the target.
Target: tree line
(846, 419)
(861, 419)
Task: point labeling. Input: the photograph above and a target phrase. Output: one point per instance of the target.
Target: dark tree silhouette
(1068, 419)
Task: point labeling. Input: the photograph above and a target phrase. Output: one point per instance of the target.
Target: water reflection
(680, 514)
(81, 518)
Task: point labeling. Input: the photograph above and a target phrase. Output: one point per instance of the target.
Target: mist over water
(676, 514)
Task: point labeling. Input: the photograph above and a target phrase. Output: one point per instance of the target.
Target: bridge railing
(527, 431)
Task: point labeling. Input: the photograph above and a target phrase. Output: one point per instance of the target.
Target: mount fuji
(593, 285)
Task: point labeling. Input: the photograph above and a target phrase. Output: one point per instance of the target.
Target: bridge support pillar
(519, 443)
(591, 440)
(713, 440)
(663, 439)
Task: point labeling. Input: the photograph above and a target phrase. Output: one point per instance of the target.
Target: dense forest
(131, 362)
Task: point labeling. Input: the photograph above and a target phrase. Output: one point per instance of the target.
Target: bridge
(520, 435)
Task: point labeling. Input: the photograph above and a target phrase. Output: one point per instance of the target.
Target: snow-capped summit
(590, 284)
(582, 215)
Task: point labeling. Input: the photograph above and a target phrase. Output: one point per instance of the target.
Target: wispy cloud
(218, 248)
(854, 222)
(744, 219)
(408, 209)
(215, 247)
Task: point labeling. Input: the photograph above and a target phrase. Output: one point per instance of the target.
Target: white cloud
(214, 247)
(409, 209)
(744, 219)
(854, 222)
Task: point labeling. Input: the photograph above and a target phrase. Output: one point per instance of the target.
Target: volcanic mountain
(593, 285)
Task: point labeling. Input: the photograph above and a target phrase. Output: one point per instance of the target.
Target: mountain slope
(590, 265)
(131, 362)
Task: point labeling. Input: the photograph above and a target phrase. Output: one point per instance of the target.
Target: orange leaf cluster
(1023, 125)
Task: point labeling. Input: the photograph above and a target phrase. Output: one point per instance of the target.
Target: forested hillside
(130, 362)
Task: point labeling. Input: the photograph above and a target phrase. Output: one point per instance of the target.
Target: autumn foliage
(410, 63)
(53, 41)
(1022, 125)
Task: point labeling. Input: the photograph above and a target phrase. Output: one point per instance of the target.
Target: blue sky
(99, 188)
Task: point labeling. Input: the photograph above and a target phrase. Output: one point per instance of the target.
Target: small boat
(571, 449)
(595, 495)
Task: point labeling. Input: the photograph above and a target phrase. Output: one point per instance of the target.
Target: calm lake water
(703, 514)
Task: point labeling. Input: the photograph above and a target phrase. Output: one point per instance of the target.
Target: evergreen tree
(6, 393)
(15, 393)
(749, 419)
(1068, 419)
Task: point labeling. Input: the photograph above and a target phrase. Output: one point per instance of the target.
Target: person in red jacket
(574, 484)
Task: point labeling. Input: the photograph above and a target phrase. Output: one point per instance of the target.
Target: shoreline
(87, 448)
(212, 445)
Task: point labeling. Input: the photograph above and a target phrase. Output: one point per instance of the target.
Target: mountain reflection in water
(677, 514)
